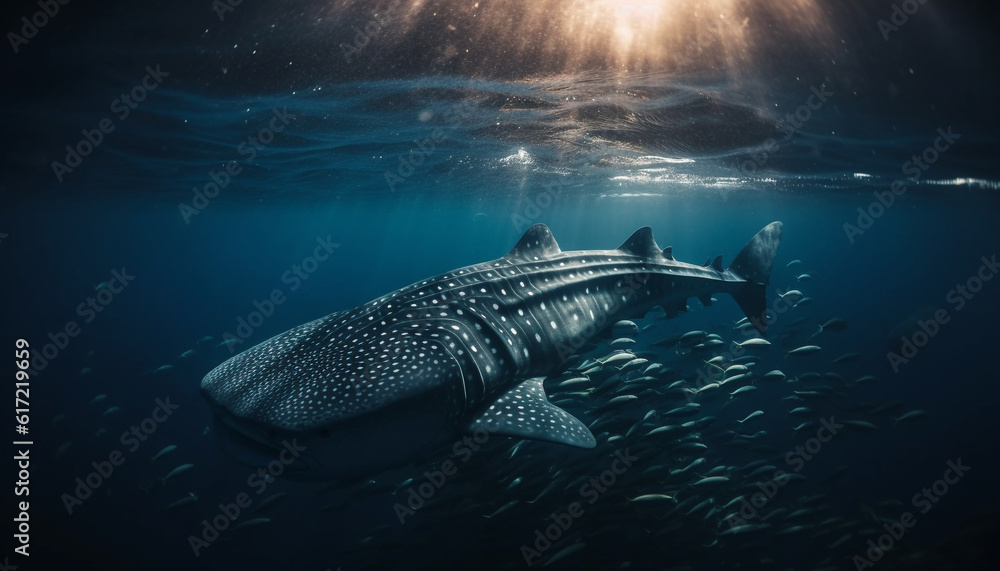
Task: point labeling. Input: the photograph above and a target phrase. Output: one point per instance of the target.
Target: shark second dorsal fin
(641, 243)
(668, 253)
(525, 412)
(716, 264)
(537, 242)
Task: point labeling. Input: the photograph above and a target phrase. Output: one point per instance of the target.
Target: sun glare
(632, 20)
(568, 36)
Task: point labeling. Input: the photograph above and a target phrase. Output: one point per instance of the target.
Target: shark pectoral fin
(525, 412)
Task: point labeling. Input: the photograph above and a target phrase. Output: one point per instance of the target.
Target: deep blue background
(324, 176)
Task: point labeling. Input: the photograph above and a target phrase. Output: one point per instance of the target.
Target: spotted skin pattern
(472, 336)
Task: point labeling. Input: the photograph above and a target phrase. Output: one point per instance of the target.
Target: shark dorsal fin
(641, 243)
(537, 242)
(668, 253)
(716, 264)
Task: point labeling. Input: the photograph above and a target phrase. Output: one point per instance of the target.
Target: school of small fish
(693, 412)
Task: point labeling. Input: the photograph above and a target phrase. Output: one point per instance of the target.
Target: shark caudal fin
(753, 264)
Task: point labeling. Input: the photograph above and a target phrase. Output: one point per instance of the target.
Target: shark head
(351, 389)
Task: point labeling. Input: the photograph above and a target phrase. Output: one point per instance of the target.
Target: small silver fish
(752, 415)
(190, 498)
(804, 350)
(178, 470)
(161, 453)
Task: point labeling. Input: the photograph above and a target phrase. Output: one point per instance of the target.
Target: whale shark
(394, 380)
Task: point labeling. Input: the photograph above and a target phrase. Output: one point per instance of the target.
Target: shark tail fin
(817, 333)
(753, 264)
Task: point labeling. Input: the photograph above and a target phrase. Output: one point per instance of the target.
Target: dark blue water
(261, 163)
